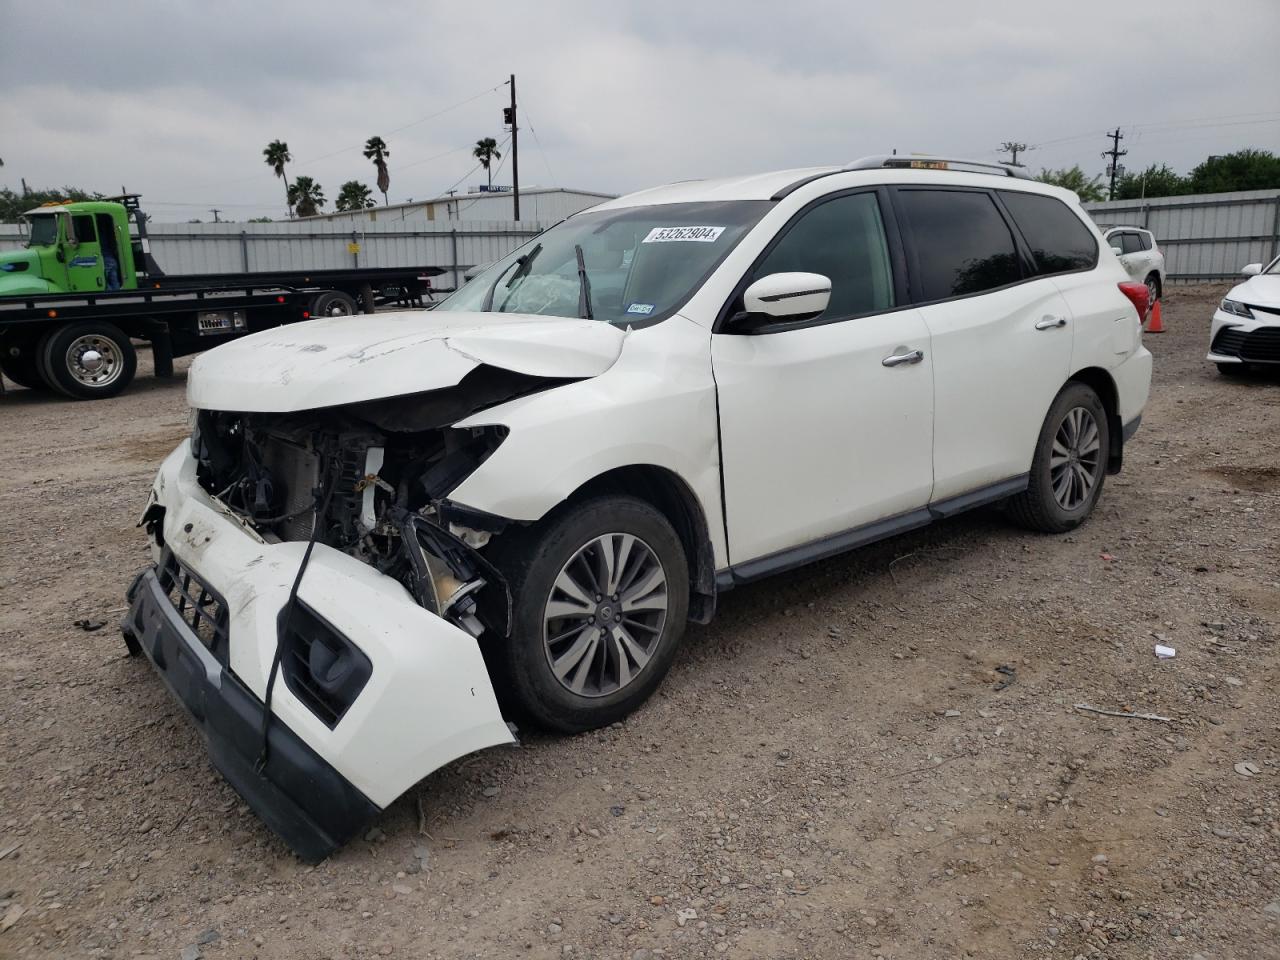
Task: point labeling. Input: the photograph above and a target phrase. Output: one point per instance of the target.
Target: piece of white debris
(1165, 653)
(1247, 768)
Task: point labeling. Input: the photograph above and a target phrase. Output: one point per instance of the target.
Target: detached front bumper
(425, 699)
(312, 807)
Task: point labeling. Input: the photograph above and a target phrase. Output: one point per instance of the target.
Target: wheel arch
(667, 492)
(1104, 385)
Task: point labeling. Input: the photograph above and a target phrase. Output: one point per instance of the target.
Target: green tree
(276, 156)
(1073, 178)
(486, 152)
(1158, 180)
(13, 204)
(375, 149)
(1243, 170)
(306, 196)
(260, 220)
(354, 195)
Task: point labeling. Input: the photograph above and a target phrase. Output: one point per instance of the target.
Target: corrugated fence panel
(1209, 236)
(456, 246)
(1204, 237)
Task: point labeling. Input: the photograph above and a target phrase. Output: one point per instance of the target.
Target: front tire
(1069, 465)
(90, 360)
(600, 595)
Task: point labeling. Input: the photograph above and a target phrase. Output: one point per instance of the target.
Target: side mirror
(1117, 251)
(1251, 269)
(788, 296)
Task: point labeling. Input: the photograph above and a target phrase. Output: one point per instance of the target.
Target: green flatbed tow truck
(86, 287)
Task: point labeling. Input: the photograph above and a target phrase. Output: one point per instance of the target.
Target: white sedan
(1246, 325)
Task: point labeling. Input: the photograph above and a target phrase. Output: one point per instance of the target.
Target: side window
(842, 239)
(83, 227)
(1144, 241)
(1131, 243)
(1058, 239)
(962, 243)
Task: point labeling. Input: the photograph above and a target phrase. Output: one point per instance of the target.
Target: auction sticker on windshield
(688, 234)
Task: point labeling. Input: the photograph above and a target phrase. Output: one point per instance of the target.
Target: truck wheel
(600, 595)
(333, 303)
(89, 360)
(18, 361)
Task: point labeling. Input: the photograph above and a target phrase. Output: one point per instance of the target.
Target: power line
(545, 159)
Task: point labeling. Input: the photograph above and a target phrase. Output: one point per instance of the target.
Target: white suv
(384, 527)
(1140, 255)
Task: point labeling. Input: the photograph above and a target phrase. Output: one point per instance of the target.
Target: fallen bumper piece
(311, 806)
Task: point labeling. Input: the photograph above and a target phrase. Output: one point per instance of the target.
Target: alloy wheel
(605, 616)
(1076, 459)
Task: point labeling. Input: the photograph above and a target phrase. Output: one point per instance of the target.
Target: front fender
(25, 284)
(656, 406)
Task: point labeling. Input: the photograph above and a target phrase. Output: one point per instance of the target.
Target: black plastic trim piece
(1131, 427)
(793, 187)
(980, 497)
(298, 795)
(829, 546)
(789, 296)
(869, 533)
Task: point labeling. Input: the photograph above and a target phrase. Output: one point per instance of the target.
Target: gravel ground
(878, 756)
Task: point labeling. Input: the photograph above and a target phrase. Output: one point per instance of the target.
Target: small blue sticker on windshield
(642, 308)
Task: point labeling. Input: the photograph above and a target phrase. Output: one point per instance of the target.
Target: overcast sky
(177, 99)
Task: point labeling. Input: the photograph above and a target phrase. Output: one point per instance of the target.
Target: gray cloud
(178, 99)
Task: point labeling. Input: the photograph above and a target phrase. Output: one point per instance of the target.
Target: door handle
(1049, 323)
(912, 356)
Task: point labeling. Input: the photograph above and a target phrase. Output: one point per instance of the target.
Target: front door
(819, 435)
(84, 256)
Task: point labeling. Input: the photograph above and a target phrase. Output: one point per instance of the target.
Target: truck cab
(82, 247)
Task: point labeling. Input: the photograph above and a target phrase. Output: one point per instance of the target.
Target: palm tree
(354, 195)
(486, 152)
(277, 155)
(306, 196)
(375, 149)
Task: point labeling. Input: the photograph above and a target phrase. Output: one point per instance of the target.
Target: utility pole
(1014, 148)
(515, 153)
(1115, 153)
(215, 211)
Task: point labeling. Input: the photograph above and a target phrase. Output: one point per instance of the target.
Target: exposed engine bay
(371, 480)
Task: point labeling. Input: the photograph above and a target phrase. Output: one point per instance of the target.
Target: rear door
(1001, 335)
(826, 424)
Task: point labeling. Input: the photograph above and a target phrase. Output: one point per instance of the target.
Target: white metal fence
(1207, 236)
(317, 245)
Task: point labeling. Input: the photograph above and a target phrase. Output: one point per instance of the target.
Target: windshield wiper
(522, 264)
(584, 285)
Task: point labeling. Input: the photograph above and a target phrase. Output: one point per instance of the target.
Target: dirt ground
(836, 767)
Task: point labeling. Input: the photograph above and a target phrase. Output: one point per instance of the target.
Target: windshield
(44, 231)
(627, 267)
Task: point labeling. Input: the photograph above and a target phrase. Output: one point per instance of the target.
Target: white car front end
(1246, 326)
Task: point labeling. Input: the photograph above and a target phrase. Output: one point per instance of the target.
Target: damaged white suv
(384, 527)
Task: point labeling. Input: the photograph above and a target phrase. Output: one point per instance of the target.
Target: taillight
(1138, 296)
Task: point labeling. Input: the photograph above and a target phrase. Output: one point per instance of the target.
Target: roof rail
(914, 162)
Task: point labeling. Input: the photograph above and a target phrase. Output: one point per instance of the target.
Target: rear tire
(1069, 465)
(333, 303)
(611, 653)
(19, 362)
(90, 360)
(1153, 290)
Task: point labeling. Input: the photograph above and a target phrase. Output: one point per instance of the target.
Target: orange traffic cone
(1154, 325)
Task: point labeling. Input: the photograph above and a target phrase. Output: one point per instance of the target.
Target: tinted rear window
(1058, 239)
(962, 243)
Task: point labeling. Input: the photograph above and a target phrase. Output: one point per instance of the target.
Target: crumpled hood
(1262, 291)
(340, 360)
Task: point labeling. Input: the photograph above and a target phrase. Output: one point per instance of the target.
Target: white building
(544, 204)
